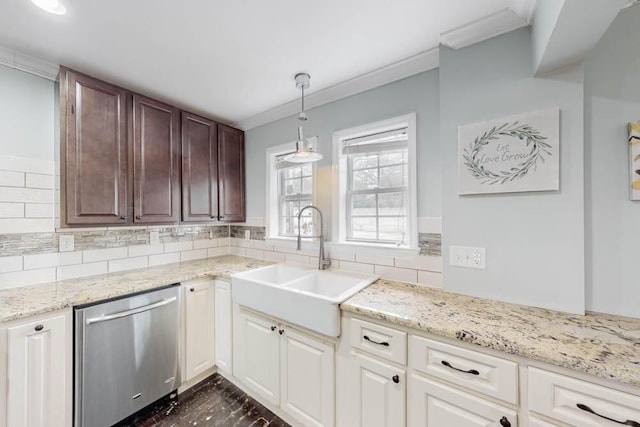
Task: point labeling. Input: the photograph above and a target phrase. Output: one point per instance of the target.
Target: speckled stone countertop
(16, 303)
(603, 345)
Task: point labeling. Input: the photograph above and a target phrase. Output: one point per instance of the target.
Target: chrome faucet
(323, 263)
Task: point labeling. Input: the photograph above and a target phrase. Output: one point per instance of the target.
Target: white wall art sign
(634, 157)
(511, 154)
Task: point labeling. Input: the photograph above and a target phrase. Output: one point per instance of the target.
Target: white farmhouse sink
(298, 294)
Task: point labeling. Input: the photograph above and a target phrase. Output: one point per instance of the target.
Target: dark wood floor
(212, 402)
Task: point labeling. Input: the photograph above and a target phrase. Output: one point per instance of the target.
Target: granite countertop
(603, 345)
(16, 303)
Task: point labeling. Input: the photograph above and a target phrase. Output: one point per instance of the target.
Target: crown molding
(482, 29)
(29, 64)
(416, 64)
(525, 9)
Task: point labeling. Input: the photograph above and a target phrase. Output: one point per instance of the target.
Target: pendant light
(304, 151)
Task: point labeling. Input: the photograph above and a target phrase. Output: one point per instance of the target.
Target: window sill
(373, 248)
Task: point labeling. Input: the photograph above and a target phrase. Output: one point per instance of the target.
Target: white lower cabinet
(198, 318)
(307, 378)
(379, 393)
(39, 372)
(433, 404)
(580, 403)
(285, 367)
(223, 326)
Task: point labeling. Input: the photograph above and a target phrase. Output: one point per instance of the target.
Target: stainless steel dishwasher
(126, 355)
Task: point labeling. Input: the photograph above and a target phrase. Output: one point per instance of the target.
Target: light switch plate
(66, 243)
(154, 237)
(467, 257)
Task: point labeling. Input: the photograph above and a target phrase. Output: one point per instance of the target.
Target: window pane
(391, 204)
(292, 186)
(363, 204)
(392, 176)
(306, 225)
(365, 179)
(306, 170)
(293, 172)
(306, 185)
(392, 157)
(392, 228)
(361, 161)
(363, 228)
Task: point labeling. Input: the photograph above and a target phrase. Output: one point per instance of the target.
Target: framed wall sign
(510, 154)
(634, 159)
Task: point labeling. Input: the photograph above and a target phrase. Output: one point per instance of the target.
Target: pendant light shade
(304, 151)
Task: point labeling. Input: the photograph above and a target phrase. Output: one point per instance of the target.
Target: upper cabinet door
(231, 173)
(156, 162)
(199, 169)
(94, 151)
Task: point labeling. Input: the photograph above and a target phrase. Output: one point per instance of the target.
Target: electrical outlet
(154, 237)
(463, 256)
(247, 234)
(66, 243)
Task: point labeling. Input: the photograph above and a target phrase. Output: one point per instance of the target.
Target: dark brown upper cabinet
(94, 156)
(156, 159)
(121, 158)
(231, 173)
(199, 169)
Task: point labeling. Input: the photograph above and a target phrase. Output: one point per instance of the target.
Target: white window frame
(272, 223)
(340, 180)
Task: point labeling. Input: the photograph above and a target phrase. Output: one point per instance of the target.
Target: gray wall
(27, 111)
(612, 100)
(534, 241)
(417, 94)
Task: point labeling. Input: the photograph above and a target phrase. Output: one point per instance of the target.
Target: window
(376, 183)
(290, 189)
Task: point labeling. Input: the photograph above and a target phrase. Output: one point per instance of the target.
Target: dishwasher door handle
(131, 312)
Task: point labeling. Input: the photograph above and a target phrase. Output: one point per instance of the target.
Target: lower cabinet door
(223, 326)
(380, 393)
(258, 355)
(39, 373)
(435, 405)
(199, 327)
(307, 377)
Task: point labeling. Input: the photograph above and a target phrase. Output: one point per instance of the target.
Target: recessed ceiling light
(51, 6)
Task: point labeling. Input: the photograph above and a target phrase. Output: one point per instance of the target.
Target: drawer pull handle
(470, 371)
(192, 289)
(273, 328)
(591, 411)
(395, 379)
(504, 422)
(281, 331)
(39, 328)
(384, 343)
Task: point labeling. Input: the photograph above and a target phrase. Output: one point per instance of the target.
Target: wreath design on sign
(530, 136)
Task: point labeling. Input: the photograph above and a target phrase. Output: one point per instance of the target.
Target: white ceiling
(233, 59)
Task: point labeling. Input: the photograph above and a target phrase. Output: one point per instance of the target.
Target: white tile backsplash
(93, 255)
(430, 278)
(178, 246)
(39, 181)
(10, 263)
(26, 225)
(55, 259)
(11, 210)
(205, 244)
(128, 264)
(164, 259)
(25, 195)
(81, 270)
(356, 267)
(11, 179)
(395, 273)
(218, 251)
(375, 259)
(38, 210)
(140, 250)
(193, 254)
(27, 277)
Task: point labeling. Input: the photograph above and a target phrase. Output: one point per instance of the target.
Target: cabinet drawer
(433, 404)
(580, 403)
(384, 342)
(476, 371)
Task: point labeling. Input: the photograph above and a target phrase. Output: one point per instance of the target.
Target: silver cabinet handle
(126, 313)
